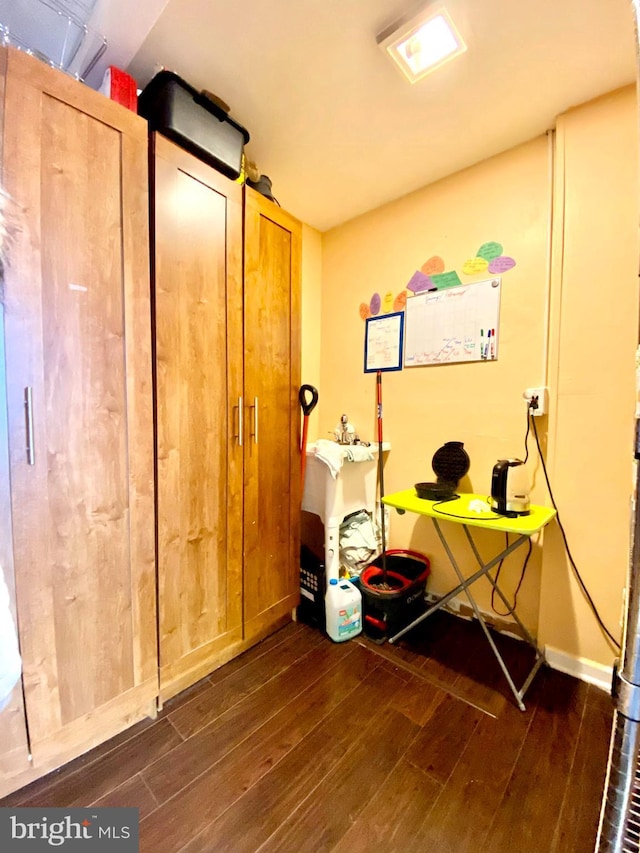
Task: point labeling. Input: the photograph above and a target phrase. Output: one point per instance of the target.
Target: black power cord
(526, 435)
(497, 578)
(506, 536)
(533, 404)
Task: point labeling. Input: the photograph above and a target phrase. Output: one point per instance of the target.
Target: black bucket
(387, 610)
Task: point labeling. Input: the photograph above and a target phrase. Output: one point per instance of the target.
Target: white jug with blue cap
(343, 605)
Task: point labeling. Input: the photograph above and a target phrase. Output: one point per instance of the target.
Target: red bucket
(387, 610)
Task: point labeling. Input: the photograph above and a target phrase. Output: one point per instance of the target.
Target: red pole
(381, 477)
(303, 458)
(307, 407)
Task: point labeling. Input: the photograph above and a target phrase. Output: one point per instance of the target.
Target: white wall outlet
(540, 398)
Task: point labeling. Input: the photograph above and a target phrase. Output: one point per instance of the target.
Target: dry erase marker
(481, 343)
(493, 337)
(486, 346)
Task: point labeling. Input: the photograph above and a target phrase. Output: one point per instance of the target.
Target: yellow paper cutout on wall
(365, 313)
(435, 264)
(400, 301)
(387, 303)
(475, 265)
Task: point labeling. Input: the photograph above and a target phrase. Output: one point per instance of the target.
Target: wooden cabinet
(198, 367)
(88, 501)
(80, 413)
(271, 381)
(227, 377)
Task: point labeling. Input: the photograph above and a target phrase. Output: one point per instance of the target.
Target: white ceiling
(333, 122)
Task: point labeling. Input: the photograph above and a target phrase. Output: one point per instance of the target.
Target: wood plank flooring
(302, 744)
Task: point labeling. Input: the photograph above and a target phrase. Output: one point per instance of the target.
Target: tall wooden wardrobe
(135, 420)
(226, 293)
(272, 243)
(79, 406)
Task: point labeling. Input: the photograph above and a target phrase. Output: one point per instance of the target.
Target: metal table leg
(464, 585)
(454, 592)
(493, 583)
(539, 654)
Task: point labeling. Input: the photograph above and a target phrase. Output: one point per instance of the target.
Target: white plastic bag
(361, 540)
(10, 661)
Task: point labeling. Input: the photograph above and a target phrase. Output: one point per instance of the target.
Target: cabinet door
(198, 357)
(272, 380)
(78, 348)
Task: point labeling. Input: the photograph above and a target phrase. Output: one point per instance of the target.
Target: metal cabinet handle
(28, 414)
(255, 420)
(240, 415)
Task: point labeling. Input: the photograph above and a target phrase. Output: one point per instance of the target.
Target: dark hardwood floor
(302, 744)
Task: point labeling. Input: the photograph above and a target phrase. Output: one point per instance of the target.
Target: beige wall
(507, 199)
(594, 322)
(310, 309)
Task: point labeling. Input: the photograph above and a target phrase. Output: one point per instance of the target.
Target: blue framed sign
(383, 339)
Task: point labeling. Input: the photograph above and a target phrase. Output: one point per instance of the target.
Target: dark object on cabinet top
(263, 186)
(194, 121)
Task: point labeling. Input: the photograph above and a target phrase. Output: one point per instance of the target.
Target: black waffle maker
(450, 463)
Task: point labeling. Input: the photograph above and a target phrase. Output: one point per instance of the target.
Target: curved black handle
(308, 407)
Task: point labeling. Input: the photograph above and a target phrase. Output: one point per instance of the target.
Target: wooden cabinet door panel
(198, 232)
(78, 335)
(80, 407)
(272, 377)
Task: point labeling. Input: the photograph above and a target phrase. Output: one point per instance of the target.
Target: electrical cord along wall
(533, 404)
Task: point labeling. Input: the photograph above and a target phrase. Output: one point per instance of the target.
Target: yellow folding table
(459, 511)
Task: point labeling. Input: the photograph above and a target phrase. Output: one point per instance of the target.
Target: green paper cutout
(446, 279)
(489, 251)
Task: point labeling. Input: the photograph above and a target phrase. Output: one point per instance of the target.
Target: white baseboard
(586, 670)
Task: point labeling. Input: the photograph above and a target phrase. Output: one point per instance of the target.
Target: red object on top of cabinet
(120, 87)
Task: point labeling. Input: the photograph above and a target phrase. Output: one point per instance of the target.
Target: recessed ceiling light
(422, 43)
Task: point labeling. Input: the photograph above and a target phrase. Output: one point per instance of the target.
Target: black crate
(194, 122)
(311, 609)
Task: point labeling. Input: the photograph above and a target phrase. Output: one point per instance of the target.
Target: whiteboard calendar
(453, 325)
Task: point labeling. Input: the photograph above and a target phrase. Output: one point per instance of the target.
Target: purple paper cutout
(501, 264)
(374, 305)
(420, 282)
